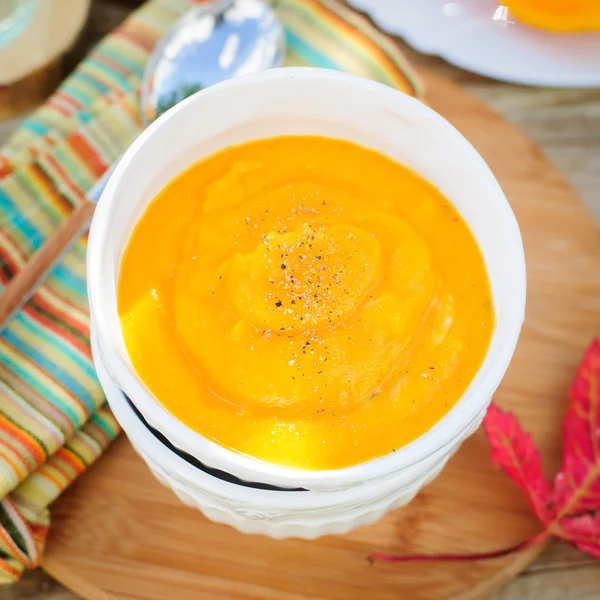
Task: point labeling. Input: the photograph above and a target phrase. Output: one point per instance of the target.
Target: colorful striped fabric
(53, 420)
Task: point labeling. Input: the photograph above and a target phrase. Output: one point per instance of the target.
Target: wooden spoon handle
(18, 290)
(22, 286)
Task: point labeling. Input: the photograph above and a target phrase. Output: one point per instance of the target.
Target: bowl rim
(449, 428)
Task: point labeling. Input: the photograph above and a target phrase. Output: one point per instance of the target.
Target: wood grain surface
(566, 125)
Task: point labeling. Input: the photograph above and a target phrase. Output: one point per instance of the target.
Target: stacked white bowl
(252, 495)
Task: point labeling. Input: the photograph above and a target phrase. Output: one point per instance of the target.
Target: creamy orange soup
(304, 301)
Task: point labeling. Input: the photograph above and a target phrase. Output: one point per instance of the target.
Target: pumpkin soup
(562, 16)
(304, 301)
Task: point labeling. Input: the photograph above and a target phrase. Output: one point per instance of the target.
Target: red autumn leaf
(570, 510)
(583, 531)
(514, 451)
(577, 485)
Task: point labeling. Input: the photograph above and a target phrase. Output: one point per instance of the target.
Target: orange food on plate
(566, 16)
(304, 301)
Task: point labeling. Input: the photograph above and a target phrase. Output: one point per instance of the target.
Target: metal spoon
(208, 44)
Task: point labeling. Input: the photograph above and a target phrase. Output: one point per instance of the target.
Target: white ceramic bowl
(482, 37)
(312, 101)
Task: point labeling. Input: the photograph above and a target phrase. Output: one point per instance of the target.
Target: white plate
(475, 35)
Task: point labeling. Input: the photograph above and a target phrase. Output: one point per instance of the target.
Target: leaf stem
(459, 557)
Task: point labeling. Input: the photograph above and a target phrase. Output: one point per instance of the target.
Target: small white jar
(327, 103)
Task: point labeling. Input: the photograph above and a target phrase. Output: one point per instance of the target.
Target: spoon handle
(23, 285)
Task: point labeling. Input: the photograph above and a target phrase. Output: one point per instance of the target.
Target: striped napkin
(54, 422)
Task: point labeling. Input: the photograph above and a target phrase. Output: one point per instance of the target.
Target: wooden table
(566, 125)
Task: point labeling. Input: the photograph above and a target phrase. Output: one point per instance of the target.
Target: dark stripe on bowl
(223, 475)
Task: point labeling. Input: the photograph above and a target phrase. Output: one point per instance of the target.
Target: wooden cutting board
(117, 533)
